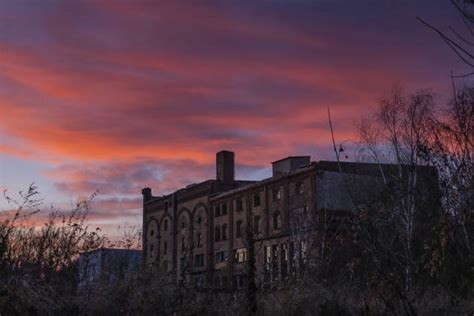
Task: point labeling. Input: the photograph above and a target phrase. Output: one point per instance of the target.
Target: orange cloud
(120, 95)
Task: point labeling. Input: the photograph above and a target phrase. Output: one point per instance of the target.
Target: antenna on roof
(333, 141)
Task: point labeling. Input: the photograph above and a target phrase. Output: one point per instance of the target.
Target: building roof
(291, 157)
(263, 182)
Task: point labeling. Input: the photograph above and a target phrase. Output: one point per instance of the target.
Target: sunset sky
(119, 95)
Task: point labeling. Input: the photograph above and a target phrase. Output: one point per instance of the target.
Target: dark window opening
(166, 224)
(284, 260)
(199, 240)
(267, 259)
(299, 187)
(183, 263)
(165, 247)
(224, 209)
(256, 199)
(224, 232)
(198, 261)
(275, 262)
(217, 211)
(238, 205)
(276, 194)
(292, 258)
(151, 251)
(221, 256)
(238, 228)
(257, 225)
(276, 220)
(303, 260)
(152, 232)
(217, 233)
(183, 243)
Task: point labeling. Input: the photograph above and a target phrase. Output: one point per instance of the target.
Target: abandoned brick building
(198, 232)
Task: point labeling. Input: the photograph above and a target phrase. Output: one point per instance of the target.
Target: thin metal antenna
(333, 141)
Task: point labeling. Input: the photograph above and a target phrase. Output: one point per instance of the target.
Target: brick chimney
(225, 166)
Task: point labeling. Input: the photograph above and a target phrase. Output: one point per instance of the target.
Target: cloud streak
(120, 95)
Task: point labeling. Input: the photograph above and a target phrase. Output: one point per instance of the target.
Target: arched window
(217, 233)
(276, 220)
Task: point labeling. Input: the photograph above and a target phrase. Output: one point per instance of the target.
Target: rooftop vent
(288, 164)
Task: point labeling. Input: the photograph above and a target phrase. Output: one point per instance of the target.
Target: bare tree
(38, 263)
(394, 230)
(460, 42)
